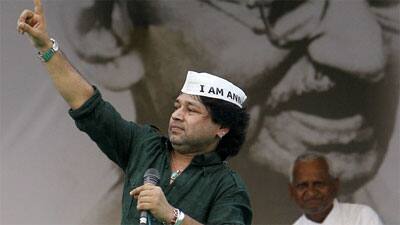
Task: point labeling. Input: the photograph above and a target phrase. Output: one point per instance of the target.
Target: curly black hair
(231, 116)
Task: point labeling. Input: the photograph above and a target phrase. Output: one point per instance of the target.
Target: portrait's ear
(106, 53)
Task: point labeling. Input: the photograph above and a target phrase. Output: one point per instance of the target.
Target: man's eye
(319, 184)
(301, 186)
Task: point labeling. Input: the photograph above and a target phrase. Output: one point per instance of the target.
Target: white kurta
(346, 214)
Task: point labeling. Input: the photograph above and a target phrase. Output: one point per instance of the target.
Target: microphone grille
(151, 176)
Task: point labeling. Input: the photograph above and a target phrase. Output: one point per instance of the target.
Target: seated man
(314, 187)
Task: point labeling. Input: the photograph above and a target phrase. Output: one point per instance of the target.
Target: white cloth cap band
(208, 85)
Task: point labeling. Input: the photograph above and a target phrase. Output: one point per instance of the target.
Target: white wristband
(180, 218)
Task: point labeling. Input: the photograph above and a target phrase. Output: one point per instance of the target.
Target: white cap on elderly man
(208, 85)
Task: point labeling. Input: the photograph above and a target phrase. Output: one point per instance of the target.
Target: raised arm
(67, 80)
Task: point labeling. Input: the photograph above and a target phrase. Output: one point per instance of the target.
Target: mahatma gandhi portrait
(321, 75)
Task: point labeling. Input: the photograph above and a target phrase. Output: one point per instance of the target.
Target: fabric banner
(320, 76)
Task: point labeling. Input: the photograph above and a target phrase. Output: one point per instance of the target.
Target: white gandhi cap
(208, 85)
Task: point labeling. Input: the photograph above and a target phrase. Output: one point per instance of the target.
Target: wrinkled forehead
(317, 168)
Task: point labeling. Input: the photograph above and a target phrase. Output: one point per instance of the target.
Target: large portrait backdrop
(321, 76)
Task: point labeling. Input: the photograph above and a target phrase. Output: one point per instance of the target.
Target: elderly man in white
(314, 188)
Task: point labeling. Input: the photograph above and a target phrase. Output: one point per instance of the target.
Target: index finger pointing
(136, 191)
(38, 6)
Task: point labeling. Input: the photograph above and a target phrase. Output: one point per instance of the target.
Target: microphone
(151, 176)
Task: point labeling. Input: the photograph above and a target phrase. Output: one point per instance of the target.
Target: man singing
(207, 126)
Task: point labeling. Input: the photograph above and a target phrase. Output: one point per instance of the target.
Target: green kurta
(207, 190)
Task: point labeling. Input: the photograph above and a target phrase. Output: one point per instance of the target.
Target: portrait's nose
(350, 40)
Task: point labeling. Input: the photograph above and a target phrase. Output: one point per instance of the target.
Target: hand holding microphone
(151, 198)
